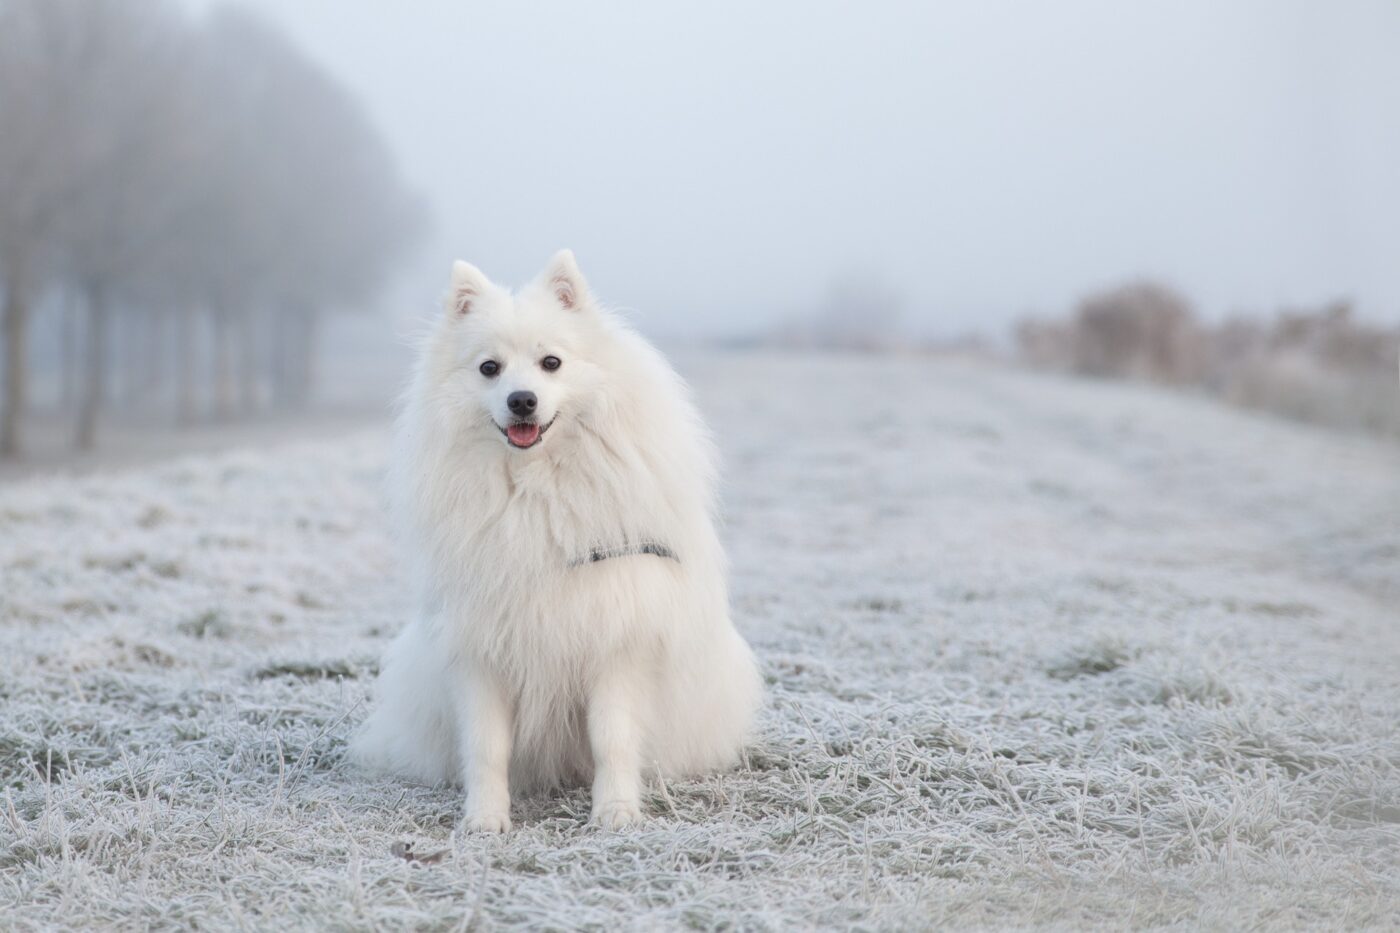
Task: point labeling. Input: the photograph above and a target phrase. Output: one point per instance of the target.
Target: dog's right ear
(468, 285)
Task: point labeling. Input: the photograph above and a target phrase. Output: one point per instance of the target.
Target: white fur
(523, 672)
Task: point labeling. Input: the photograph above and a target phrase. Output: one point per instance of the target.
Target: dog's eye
(489, 368)
(551, 363)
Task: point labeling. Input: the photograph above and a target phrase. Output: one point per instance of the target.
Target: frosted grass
(1039, 653)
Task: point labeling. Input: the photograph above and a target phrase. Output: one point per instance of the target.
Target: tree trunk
(16, 332)
(153, 385)
(285, 351)
(139, 355)
(248, 363)
(68, 351)
(301, 357)
(184, 367)
(223, 365)
(94, 371)
(279, 333)
(128, 357)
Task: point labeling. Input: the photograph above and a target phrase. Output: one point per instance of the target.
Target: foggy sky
(715, 165)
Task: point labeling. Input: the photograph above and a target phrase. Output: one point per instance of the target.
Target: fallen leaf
(404, 850)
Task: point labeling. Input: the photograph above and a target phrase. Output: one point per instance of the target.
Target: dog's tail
(412, 730)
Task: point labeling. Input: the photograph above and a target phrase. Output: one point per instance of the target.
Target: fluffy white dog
(557, 485)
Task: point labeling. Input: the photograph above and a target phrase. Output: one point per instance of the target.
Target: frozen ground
(1040, 652)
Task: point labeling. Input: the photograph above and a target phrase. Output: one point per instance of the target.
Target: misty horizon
(211, 206)
(718, 169)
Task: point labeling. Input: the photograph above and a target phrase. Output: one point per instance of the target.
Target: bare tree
(116, 221)
(37, 174)
(160, 168)
(336, 221)
(298, 178)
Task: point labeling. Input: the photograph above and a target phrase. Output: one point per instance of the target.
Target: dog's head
(515, 363)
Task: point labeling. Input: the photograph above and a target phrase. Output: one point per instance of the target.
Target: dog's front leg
(486, 723)
(614, 735)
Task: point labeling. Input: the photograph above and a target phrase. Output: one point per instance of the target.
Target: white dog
(558, 489)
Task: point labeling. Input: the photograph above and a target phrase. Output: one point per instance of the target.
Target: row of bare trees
(194, 192)
(1323, 365)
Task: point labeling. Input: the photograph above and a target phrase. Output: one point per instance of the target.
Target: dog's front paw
(496, 821)
(617, 814)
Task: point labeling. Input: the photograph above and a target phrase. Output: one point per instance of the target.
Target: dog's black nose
(522, 403)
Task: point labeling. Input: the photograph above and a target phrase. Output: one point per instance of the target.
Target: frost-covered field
(1040, 653)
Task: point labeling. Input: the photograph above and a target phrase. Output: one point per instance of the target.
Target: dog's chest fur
(520, 540)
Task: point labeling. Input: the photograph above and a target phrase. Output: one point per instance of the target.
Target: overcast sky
(715, 165)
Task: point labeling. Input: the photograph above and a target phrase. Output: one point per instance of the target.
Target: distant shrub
(1139, 331)
(1322, 366)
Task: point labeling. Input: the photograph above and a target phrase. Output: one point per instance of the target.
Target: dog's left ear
(565, 281)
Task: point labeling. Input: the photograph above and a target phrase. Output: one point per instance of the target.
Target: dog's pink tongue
(523, 435)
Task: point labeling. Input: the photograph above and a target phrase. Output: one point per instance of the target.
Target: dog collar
(625, 550)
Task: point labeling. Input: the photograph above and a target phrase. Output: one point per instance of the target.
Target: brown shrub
(1140, 331)
(1322, 366)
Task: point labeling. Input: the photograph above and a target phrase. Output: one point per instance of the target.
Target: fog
(716, 166)
(211, 212)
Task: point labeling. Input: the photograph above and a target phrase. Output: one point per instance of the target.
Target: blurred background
(222, 221)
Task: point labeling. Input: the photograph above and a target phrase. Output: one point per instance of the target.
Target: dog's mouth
(523, 434)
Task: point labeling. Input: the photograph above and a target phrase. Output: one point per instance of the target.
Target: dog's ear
(565, 281)
(468, 284)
